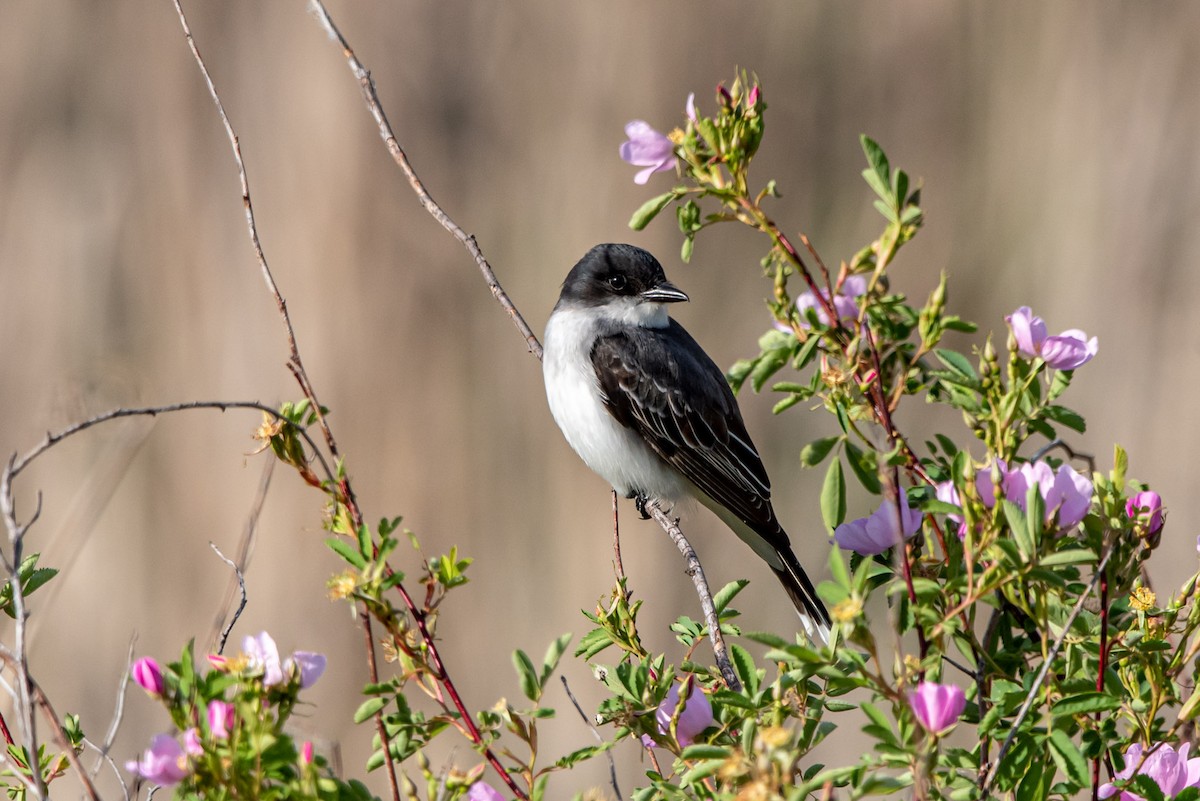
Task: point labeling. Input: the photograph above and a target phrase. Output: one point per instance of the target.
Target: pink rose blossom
(1171, 770)
(1066, 351)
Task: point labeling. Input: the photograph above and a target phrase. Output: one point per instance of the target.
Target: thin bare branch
(241, 580)
(53, 438)
(694, 569)
(612, 764)
(245, 551)
(363, 76)
(118, 714)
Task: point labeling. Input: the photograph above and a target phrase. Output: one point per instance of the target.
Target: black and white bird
(647, 409)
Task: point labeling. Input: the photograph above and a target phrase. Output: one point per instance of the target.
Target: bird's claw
(639, 502)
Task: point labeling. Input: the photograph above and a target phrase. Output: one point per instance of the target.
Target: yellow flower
(848, 610)
(1142, 599)
(342, 585)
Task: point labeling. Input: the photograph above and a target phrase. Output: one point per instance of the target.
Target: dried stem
(695, 570)
(363, 76)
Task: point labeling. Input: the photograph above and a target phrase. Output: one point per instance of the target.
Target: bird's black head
(618, 275)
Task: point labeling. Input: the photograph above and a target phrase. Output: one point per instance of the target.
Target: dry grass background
(1057, 143)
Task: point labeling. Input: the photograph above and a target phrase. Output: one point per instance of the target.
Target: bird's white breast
(614, 452)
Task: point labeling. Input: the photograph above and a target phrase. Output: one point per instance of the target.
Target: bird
(646, 408)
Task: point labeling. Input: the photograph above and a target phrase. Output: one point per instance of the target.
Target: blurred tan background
(1057, 143)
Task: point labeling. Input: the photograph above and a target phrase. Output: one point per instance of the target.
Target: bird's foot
(639, 502)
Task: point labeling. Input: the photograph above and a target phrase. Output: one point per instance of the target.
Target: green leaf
(879, 173)
(864, 465)
(553, 655)
(689, 244)
(527, 675)
(786, 403)
(743, 663)
(1084, 703)
(1068, 758)
(727, 593)
(766, 365)
(368, 708)
(956, 362)
(815, 452)
(833, 496)
(1071, 556)
(649, 210)
(1067, 417)
(1016, 521)
(347, 552)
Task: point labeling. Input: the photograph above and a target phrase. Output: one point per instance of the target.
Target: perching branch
(709, 609)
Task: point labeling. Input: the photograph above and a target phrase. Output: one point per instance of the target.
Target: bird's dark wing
(661, 384)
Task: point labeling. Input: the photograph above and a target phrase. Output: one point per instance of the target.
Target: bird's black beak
(665, 292)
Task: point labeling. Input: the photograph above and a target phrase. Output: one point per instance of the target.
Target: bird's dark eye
(617, 282)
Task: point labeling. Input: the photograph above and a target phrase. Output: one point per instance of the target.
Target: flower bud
(220, 719)
(1146, 511)
(148, 675)
(937, 706)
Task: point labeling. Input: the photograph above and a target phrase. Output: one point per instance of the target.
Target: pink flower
(263, 655)
(481, 791)
(843, 301)
(191, 742)
(946, 492)
(937, 706)
(164, 763)
(697, 715)
(220, 718)
(1066, 493)
(1171, 770)
(1066, 351)
(882, 530)
(309, 664)
(1145, 510)
(148, 675)
(306, 753)
(647, 148)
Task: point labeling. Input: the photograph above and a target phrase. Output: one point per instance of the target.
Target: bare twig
(19, 660)
(694, 569)
(363, 76)
(618, 565)
(612, 764)
(52, 439)
(241, 580)
(118, 714)
(245, 551)
(14, 662)
(373, 672)
(1041, 676)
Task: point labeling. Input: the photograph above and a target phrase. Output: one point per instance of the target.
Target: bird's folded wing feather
(669, 391)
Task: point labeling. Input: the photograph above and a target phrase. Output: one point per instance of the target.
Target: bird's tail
(813, 615)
